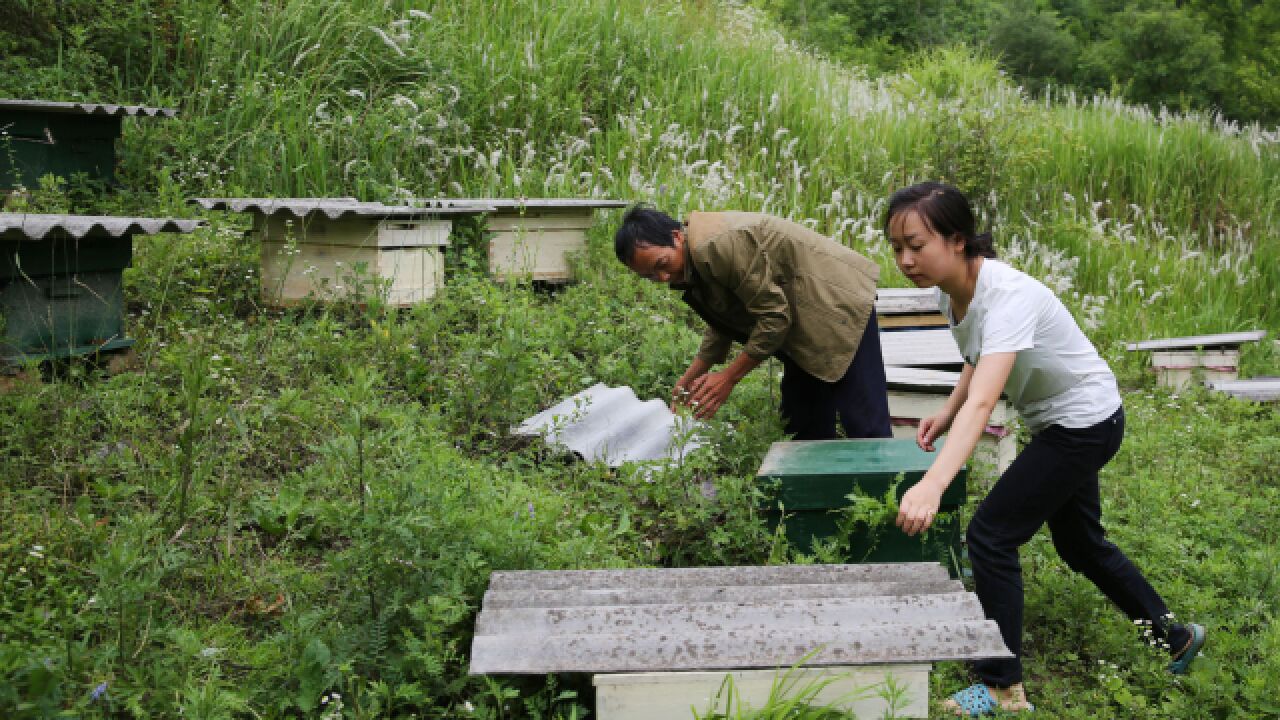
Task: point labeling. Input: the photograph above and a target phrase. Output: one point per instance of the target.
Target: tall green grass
(693, 105)
(307, 530)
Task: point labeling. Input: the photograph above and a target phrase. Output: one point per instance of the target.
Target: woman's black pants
(1055, 481)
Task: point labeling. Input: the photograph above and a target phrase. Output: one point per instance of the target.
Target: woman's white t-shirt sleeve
(1009, 323)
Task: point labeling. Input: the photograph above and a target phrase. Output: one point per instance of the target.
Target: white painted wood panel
(861, 691)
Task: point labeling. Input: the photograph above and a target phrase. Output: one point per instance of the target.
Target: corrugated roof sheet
(32, 226)
(724, 618)
(1256, 389)
(1200, 341)
(334, 208)
(613, 426)
(84, 108)
(545, 203)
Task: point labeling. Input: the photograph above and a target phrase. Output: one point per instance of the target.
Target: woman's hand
(931, 428)
(918, 507)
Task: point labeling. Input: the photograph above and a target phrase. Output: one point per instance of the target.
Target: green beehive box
(39, 138)
(61, 293)
(812, 480)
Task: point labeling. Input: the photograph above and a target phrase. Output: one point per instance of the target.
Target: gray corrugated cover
(84, 108)
(613, 426)
(726, 618)
(545, 203)
(32, 226)
(334, 208)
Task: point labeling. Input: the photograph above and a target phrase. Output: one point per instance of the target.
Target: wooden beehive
(62, 139)
(909, 309)
(811, 481)
(61, 293)
(534, 238)
(1216, 358)
(917, 393)
(342, 249)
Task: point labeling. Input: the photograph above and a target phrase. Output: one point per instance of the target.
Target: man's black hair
(643, 225)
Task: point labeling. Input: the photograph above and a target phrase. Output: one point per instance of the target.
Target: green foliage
(1202, 55)
(294, 512)
(1162, 56)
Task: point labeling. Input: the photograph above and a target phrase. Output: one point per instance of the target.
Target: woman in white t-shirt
(1018, 339)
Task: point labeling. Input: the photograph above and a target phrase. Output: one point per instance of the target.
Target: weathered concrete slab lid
(32, 226)
(1199, 341)
(613, 426)
(335, 208)
(85, 108)
(728, 618)
(920, 348)
(1264, 389)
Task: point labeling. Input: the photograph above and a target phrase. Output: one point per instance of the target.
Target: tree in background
(1162, 56)
(1203, 54)
(1033, 43)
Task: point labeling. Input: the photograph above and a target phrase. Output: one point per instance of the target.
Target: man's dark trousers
(810, 406)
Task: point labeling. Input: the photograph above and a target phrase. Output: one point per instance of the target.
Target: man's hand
(918, 507)
(709, 392)
(682, 393)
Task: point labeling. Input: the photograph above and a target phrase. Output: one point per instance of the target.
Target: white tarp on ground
(613, 426)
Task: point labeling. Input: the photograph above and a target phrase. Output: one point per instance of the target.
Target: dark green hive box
(38, 138)
(60, 283)
(811, 480)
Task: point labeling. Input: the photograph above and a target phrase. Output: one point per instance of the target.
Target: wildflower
(386, 39)
(98, 691)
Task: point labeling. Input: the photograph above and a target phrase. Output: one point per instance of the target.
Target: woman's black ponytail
(946, 211)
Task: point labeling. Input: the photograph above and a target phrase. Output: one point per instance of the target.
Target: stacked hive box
(533, 238)
(63, 139)
(809, 483)
(60, 282)
(60, 275)
(337, 248)
(1216, 358)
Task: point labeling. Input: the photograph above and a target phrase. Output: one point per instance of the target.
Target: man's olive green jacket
(777, 286)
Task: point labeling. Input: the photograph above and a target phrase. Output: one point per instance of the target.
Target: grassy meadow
(294, 513)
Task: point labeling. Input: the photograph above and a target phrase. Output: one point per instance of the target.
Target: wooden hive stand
(340, 248)
(1177, 361)
(662, 641)
(533, 238)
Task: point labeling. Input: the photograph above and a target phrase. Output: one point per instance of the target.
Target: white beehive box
(1177, 368)
(324, 258)
(329, 249)
(862, 691)
(534, 238)
(1176, 361)
(915, 394)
